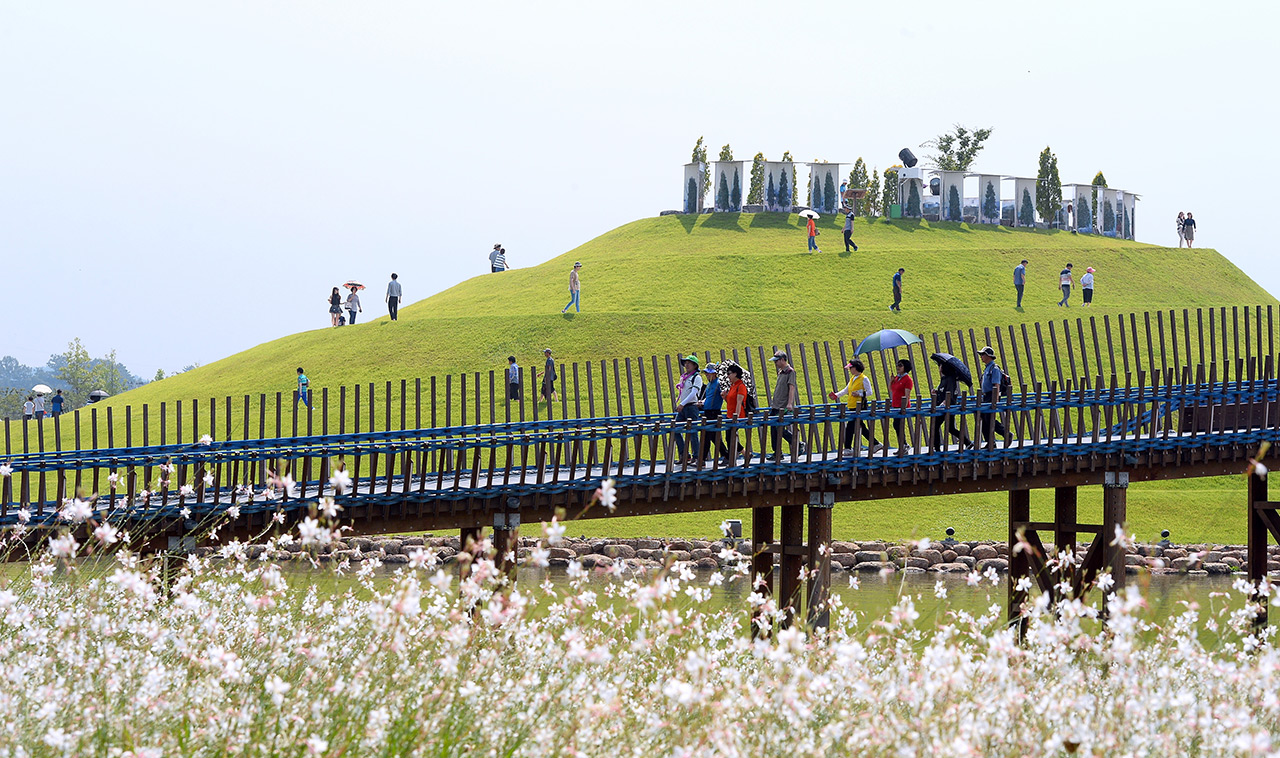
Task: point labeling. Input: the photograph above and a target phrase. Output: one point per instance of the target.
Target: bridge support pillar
(761, 559)
(1064, 519)
(506, 543)
(1019, 561)
(819, 611)
(1115, 486)
(791, 563)
(469, 544)
(1262, 518)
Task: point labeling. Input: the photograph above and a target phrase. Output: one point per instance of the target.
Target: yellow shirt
(858, 388)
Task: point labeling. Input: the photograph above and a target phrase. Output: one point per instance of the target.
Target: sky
(182, 181)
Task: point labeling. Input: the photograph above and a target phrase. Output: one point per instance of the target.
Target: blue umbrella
(886, 339)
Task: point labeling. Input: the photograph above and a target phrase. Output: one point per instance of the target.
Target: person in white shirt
(1086, 286)
(394, 296)
(39, 406)
(353, 306)
(29, 409)
(688, 393)
(513, 378)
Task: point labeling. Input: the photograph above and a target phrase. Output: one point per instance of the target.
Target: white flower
(923, 543)
(608, 495)
(185, 512)
(539, 556)
(76, 511)
(206, 440)
(555, 532)
(940, 589)
(166, 468)
(107, 534)
(312, 533)
(113, 480)
(575, 569)
(340, 482)
(329, 508)
(64, 546)
(208, 480)
(233, 512)
(276, 688)
(187, 490)
(24, 515)
(1024, 584)
(1105, 582)
(5, 470)
(316, 745)
(973, 578)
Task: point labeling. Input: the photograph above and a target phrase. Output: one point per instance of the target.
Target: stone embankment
(651, 554)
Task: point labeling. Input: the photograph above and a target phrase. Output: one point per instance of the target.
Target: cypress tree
(872, 201)
(829, 193)
(784, 193)
(953, 205)
(735, 198)
(1108, 216)
(755, 193)
(795, 188)
(771, 196)
(691, 196)
(889, 195)
(1048, 186)
(1027, 212)
(990, 203)
(913, 200)
(722, 194)
(1084, 217)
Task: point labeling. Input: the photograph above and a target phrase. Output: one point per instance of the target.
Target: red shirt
(899, 388)
(813, 228)
(735, 399)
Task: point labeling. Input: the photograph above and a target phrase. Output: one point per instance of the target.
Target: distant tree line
(72, 371)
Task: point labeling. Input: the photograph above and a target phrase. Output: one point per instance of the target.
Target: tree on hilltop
(722, 194)
(784, 193)
(955, 150)
(795, 188)
(1108, 216)
(953, 205)
(889, 194)
(1027, 211)
(726, 153)
(1048, 187)
(700, 156)
(913, 199)
(829, 193)
(858, 179)
(690, 197)
(755, 192)
(990, 203)
(873, 194)
(1084, 217)
(735, 196)
(771, 196)
(1098, 181)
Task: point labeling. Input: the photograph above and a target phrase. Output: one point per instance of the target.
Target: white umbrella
(809, 213)
(42, 389)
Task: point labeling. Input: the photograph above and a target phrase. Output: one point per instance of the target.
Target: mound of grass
(679, 283)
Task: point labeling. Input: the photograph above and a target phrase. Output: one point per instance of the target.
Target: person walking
(783, 400)
(1020, 280)
(855, 396)
(897, 291)
(813, 233)
(944, 395)
(353, 306)
(1086, 287)
(549, 376)
(394, 297)
(575, 290)
(29, 409)
(900, 400)
(1189, 229)
(304, 387)
(498, 259)
(712, 403)
(688, 393)
(992, 381)
(57, 402)
(848, 233)
(1064, 281)
(1182, 220)
(335, 307)
(513, 378)
(735, 405)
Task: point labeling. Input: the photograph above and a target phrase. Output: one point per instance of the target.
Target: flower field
(228, 656)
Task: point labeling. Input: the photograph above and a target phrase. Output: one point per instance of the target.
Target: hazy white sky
(180, 181)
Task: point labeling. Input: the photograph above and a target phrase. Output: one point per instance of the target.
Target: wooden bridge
(1148, 396)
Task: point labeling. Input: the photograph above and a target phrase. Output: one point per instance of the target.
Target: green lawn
(664, 286)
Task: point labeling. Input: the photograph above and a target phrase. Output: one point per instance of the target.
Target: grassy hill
(680, 283)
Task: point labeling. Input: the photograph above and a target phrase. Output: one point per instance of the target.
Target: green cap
(693, 358)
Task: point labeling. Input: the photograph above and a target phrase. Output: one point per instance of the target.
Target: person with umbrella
(992, 381)
(811, 219)
(953, 371)
(688, 393)
(855, 395)
(353, 301)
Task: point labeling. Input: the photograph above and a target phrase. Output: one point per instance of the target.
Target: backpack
(342, 321)
(1006, 384)
(751, 404)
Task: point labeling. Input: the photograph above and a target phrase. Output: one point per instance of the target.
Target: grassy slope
(683, 283)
